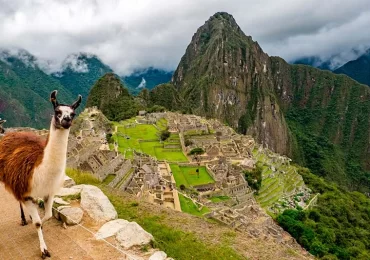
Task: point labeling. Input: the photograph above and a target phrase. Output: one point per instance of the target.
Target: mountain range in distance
(25, 86)
(358, 69)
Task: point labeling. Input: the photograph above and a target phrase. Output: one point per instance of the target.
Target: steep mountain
(319, 118)
(80, 72)
(25, 90)
(112, 98)
(358, 69)
(224, 74)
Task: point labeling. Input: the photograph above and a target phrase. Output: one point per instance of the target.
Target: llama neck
(56, 147)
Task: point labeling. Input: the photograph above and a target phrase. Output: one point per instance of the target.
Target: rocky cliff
(318, 118)
(224, 74)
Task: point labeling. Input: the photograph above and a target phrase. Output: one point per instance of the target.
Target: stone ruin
(153, 181)
(179, 123)
(88, 149)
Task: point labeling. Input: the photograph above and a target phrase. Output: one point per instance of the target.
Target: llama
(33, 168)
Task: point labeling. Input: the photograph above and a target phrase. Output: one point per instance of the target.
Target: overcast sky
(129, 35)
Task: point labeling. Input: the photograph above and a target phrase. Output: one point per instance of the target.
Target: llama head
(63, 114)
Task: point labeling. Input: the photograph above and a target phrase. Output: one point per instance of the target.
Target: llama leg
(48, 204)
(32, 210)
(24, 221)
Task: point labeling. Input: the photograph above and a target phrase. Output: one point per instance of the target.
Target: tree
(197, 151)
(165, 134)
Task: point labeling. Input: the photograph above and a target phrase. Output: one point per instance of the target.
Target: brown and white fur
(33, 168)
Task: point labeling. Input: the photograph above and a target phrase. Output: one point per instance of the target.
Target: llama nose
(67, 118)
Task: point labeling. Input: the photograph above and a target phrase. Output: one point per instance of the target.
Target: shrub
(197, 151)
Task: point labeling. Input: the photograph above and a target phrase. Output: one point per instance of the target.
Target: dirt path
(17, 242)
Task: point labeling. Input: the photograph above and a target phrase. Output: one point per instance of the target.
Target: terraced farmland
(144, 138)
(278, 182)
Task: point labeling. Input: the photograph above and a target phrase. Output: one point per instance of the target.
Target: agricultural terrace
(144, 138)
(188, 176)
(188, 206)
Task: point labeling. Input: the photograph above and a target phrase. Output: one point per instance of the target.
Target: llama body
(32, 168)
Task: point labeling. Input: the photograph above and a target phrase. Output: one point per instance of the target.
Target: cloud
(133, 35)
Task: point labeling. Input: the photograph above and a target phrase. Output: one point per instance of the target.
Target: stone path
(17, 242)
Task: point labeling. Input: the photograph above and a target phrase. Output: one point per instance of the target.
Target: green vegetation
(165, 134)
(176, 242)
(216, 199)
(112, 98)
(337, 227)
(188, 176)
(25, 91)
(254, 177)
(109, 178)
(188, 206)
(81, 177)
(196, 151)
(274, 185)
(145, 138)
(81, 82)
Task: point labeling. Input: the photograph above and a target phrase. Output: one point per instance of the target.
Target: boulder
(60, 201)
(56, 211)
(131, 234)
(73, 191)
(159, 255)
(71, 216)
(110, 228)
(97, 205)
(68, 182)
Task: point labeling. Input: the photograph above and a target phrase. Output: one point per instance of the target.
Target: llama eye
(73, 115)
(59, 114)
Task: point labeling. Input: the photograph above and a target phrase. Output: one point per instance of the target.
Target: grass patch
(188, 206)
(219, 198)
(176, 243)
(131, 138)
(187, 175)
(81, 177)
(109, 178)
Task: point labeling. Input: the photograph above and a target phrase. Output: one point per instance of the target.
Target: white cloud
(129, 35)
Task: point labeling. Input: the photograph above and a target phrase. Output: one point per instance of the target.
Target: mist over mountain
(358, 69)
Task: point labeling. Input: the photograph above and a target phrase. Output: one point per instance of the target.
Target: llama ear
(53, 98)
(2, 121)
(77, 102)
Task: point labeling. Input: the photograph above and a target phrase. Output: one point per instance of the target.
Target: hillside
(80, 72)
(318, 118)
(358, 69)
(25, 90)
(112, 98)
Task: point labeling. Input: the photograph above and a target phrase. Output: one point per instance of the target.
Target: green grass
(177, 243)
(187, 175)
(219, 198)
(146, 132)
(81, 177)
(188, 206)
(109, 178)
(162, 124)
